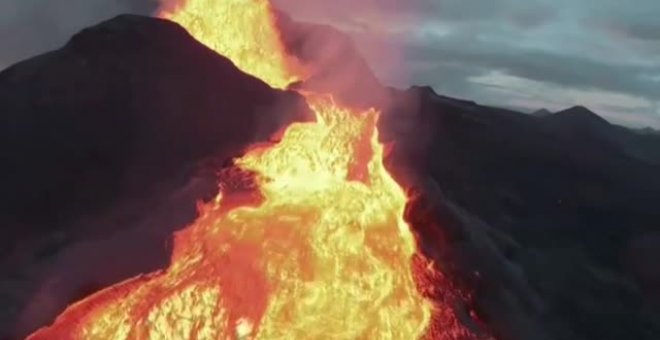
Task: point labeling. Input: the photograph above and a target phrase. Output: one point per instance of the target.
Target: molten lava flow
(243, 31)
(325, 254)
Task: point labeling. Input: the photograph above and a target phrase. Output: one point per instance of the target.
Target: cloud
(29, 27)
(576, 71)
(603, 54)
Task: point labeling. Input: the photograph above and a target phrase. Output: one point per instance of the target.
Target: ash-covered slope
(102, 133)
(571, 173)
(122, 106)
(557, 215)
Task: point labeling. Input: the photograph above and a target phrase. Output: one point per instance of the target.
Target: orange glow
(243, 31)
(324, 254)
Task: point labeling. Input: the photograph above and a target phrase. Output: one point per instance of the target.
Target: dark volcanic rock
(527, 176)
(578, 116)
(541, 113)
(648, 131)
(579, 124)
(102, 133)
(121, 107)
(551, 223)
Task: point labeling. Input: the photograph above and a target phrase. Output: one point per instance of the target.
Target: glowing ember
(324, 255)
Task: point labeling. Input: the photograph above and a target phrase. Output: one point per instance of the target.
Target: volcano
(322, 251)
(473, 222)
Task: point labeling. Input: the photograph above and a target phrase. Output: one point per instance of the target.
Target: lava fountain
(323, 254)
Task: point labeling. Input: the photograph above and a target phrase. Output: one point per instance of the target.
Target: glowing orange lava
(243, 31)
(325, 254)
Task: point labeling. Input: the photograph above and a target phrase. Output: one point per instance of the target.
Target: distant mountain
(577, 116)
(581, 123)
(648, 131)
(541, 113)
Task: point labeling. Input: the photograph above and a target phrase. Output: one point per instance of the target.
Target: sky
(522, 54)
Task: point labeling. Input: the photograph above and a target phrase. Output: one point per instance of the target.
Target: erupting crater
(324, 253)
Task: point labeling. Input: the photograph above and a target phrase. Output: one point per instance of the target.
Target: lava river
(323, 254)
